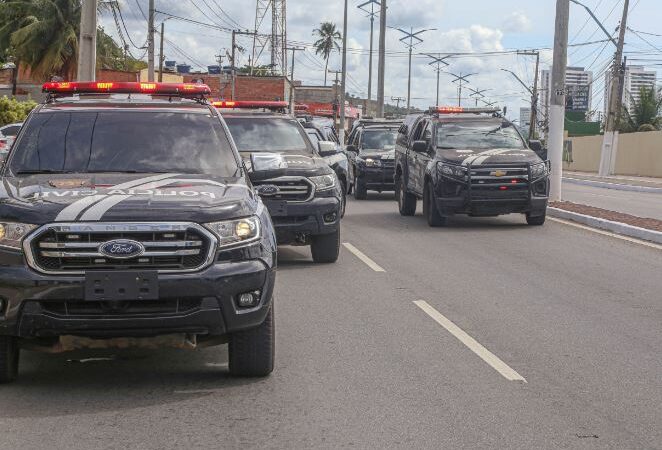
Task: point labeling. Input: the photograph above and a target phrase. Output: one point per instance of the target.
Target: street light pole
(343, 81)
(382, 59)
(438, 60)
(411, 37)
(371, 14)
(87, 51)
(150, 42)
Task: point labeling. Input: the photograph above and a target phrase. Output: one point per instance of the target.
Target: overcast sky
(461, 26)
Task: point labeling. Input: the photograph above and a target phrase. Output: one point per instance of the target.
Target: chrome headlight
(12, 234)
(538, 171)
(236, 232)
(324, 182)
(453, 171)
(371, 162)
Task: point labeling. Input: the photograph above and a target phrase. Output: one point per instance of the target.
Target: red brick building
(246, 87)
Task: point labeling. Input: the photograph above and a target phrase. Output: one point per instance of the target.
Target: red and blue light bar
(113, 87)
(250, 104)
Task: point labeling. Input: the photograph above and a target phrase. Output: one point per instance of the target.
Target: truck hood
(490, 157)
(41, 199)
(292, 164)
(377, 154)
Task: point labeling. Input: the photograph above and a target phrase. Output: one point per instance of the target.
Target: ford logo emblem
(268, 190)
(122, 249)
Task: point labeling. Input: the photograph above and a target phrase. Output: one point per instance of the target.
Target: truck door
(423, 158)
(412, 157)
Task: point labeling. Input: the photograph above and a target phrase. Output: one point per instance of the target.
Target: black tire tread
(9, 356)
(536, 221)
(325, 248)
(407, 206)
(252, 352)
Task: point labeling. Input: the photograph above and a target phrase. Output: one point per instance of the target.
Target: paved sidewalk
(615, 179)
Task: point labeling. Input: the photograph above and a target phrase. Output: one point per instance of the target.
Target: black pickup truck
(468, 161)
(302, 192)
(127, 218)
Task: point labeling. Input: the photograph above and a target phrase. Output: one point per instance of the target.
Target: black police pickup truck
(371, 150)
(297, 185)
(127, 219)
(468, 161)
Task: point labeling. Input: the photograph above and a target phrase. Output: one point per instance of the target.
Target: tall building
(636, 78)
(579, 89)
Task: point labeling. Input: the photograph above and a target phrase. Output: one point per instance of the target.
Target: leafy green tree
(327, 42)
(12, 111)
(644, 114)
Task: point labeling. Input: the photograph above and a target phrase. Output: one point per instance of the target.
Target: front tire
(360, 190)
(326, 247)
(9, 356)
(536, 221)
(430, 210)
(406, 201)
(251, 352)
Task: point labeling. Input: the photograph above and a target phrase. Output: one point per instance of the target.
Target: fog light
(248, 300)
(330, 217)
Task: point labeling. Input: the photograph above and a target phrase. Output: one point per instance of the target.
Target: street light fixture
(438, 60)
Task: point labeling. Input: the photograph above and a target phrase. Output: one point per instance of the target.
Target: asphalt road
(641, 204)
(575, 313)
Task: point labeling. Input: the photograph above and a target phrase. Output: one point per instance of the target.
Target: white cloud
(517, 22)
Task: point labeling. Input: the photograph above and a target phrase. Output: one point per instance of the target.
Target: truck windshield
(478, 135)
(379, 139)
(266, 134)
(126, 141)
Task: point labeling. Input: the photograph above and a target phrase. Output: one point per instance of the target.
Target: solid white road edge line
(359, 254)
(607, 233)
(490, 358)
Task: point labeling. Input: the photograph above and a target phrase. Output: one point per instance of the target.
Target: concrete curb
(615, 186)
(608, 225)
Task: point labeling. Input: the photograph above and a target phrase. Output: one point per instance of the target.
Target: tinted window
(314, 138)
(144, 142)
(253, 134)
(379, 139)
(10, 131)
(478, 135)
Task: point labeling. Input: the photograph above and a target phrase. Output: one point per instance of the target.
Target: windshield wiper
(446, 148)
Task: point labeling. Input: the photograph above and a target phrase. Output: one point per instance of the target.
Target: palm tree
(644, 114)
(328, 42)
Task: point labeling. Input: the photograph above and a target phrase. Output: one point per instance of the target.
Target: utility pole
(478, 94)
(294, 51)
(336, 95)
(397, 101)
(87, 51)
(161, 56)
(150, 42)
(461, 79)
(343, 79)
(558, 94)
(233, 56)
(414, 40)
(615, 101)
(371, 13)
(533, 92)
(381, 69)
(438, 60)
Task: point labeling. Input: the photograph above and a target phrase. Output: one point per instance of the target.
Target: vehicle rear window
(113, 141)
(478, 135)
(276, 135)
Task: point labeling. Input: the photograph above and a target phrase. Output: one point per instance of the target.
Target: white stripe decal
(72, 211)
(482, 159)
(97, 211)
(472, 158)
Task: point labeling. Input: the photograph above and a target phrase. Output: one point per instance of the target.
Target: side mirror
(352, 149)
(327, 148)
(537, 147)
(420, 146)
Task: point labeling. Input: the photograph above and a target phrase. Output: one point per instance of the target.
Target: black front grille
(77, 248)
(124, 308)
(499, 182)
(289, 188)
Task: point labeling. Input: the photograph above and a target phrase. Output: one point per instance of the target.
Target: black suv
(468, 161)
(371, 151)
(127, 217)
(303, 194)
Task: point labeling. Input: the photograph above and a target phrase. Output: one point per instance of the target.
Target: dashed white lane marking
(490, 358)
(607, 233)
(359, 254)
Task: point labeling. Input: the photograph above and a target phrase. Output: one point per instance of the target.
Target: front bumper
(456, 198)
(377, 178)
(298, 222)
(202, 303)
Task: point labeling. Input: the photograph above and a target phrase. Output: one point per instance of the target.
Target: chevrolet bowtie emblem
(499, 173)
